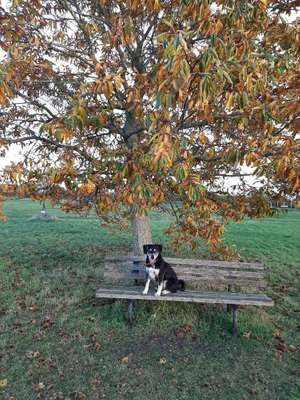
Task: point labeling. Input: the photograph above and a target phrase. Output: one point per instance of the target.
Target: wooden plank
(130, 268)
(127, 272)
(188, 268)
(191, 262)
(188, 297)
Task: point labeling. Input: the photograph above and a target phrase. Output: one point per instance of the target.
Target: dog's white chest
(152, 273)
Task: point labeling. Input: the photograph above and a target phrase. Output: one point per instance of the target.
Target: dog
(158, 270)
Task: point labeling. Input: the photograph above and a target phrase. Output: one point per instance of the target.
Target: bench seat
(135, 293)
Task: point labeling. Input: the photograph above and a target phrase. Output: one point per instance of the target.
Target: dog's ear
(146, 247)
(158, 247)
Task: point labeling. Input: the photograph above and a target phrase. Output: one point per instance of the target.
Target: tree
(127, 105)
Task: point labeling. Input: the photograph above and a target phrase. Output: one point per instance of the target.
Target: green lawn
(58, 342)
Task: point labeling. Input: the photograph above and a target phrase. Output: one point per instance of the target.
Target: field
(58, 342)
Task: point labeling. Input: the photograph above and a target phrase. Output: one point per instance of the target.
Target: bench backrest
(211, 273)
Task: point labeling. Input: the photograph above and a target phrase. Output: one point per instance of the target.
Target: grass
(58, 342)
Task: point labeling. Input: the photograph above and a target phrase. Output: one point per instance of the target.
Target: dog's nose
(152, 256)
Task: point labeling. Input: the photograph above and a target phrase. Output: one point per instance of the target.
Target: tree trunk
(141, 233)
(141, 230)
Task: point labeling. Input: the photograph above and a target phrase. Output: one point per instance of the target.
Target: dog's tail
(181, 284)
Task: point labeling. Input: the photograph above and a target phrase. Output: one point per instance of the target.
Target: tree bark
(140, 225)
(141, 233)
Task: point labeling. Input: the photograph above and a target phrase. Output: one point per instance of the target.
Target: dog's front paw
(145, 292)
(157, 294)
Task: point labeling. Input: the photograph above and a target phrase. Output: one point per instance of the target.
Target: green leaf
(245, 99)
(185, 69)
(213, 52)
(169, 100)
(227, 76)
(158, 100)
(176, 41)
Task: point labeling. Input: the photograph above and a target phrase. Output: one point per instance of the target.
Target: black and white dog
(161, 272)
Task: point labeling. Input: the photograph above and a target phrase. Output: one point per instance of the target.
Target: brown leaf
(125, 360)
(47, 323)
(278, 355)
(40, 386)
(3, 383)
(247, 334)
(33, 354)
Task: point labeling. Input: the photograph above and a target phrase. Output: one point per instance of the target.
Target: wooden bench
(237, 283)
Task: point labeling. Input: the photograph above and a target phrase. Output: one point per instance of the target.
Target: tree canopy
(127, 105)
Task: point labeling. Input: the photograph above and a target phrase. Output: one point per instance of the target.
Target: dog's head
(152, 252)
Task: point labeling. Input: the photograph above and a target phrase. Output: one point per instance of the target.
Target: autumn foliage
(127, 105)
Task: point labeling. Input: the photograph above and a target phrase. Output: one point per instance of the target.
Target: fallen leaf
(163, 360)
(125, 360)
(40, 386)
(46, 323)
(3, 383)
(292, 348)
(33, 354)
(279, 355)
(247, 335)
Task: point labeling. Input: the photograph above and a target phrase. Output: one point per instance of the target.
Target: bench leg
(130, 311)
(229, 289)
(234, 320)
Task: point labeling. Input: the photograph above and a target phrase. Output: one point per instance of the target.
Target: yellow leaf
(80, 113)
(37, 41)
(107, 89)
(118, 82)
(2, 98)
(125, 360)
(210, 153)
(87, 187)
(129, 199)
(156, 5)
(203, 139)
(66, 134)
(3, 383)
(249, 84)
(296, 185)
(264, 3)
(218, 27)
(102, 119)
(15, 3)
(163, 360)
(229, 100)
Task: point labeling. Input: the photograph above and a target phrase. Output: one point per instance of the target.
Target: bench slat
(191, 262)
(128, 271)
(134, 293)
(192, 271)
